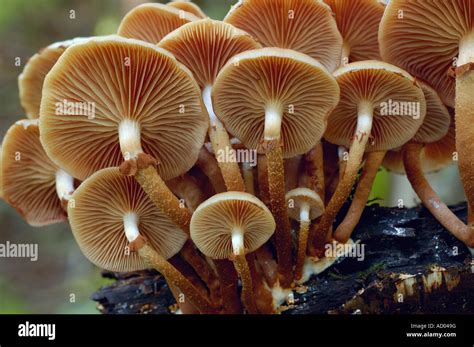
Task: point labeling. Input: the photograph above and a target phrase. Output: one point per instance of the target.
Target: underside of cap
(299, 196)
(358, 22)
(97, 222)
(151, 22)
(187, 6)
(307, 26)
(205, 46)
(29, 176)
(399, 105)
(291, 82)
(215, 219)
(97, 85)
(425, 40)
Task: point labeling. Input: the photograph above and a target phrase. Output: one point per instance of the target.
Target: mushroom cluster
(220, 152)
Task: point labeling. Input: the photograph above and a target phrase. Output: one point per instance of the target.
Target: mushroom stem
(208, 164)
(229, 290)
(221, 145)
(429, 198)
(345, 54)
(171, 274)
(302, 239)
(344, 187)
(371, 167)
(148, 178)
(64, 185)
(247, 171)
(276, 190)
(465, 115)
(243, 270)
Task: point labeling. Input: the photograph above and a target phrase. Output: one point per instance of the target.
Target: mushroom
(358, 22)
(143, 109)
(204, 47)
(30, 81)
(36, 187)
(304, 205)
(276, 101)
(370, 92)
(435, 41)
(435, 126)
(188, 6)
(230, 225)
(209, 166)
(151, 22)
(307, 26)
(118, 228)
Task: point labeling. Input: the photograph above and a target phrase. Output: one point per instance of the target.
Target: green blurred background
(46, 286)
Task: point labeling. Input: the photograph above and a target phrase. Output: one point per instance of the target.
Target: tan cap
(292, 83)
(299, 196)
(358, 22)
(151, 22)
(30, 81)
(188, 6)
(117, 97)
(28, 176)
(105, 206)
(307, 26)
(215, 220)
(391, 92)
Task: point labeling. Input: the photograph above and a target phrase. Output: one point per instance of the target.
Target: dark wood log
(411, 265)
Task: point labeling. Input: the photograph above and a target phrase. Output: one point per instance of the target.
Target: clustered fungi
(297, 81)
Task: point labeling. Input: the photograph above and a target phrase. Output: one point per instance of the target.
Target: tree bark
(411, 265)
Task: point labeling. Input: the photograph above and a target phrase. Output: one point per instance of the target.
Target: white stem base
(64, 185)
(130, 225)
(130, 139)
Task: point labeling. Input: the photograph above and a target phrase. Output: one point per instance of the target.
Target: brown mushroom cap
(188, 6)
(30, 81)
(306, 26)
(376, 83)
(29, 176)
(433, 157)
(154, 93)
(151, 22)
(216, 218)
(358, 22)
(300, 196)
(273, 77)
(97, 221)
(206, 45)
(426, 41)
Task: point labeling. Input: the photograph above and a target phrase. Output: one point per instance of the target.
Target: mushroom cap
(97, 221)
(298, 84)
(151, 22)
(307, 26)
(358, 22)
(29, 176)
(30, 81)
(299, 196)
(215, 219)
(426, 40)
(437, 120)
(206, 45)
(153, 90)
(433, 157)
(377, 83)
(188, 6)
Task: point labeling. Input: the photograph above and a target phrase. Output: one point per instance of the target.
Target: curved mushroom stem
(229, 290)
(148, 178)
(64, 187)
(302, 239)
(343, 190)
(243, 270)
(371, 167)
(171, 274)
(276, 189)
(208, 164)
(262, 178)
(429, 198)
(345, 54)
(465, 115)
(315, 163)
(248, 178)
(221, 145)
